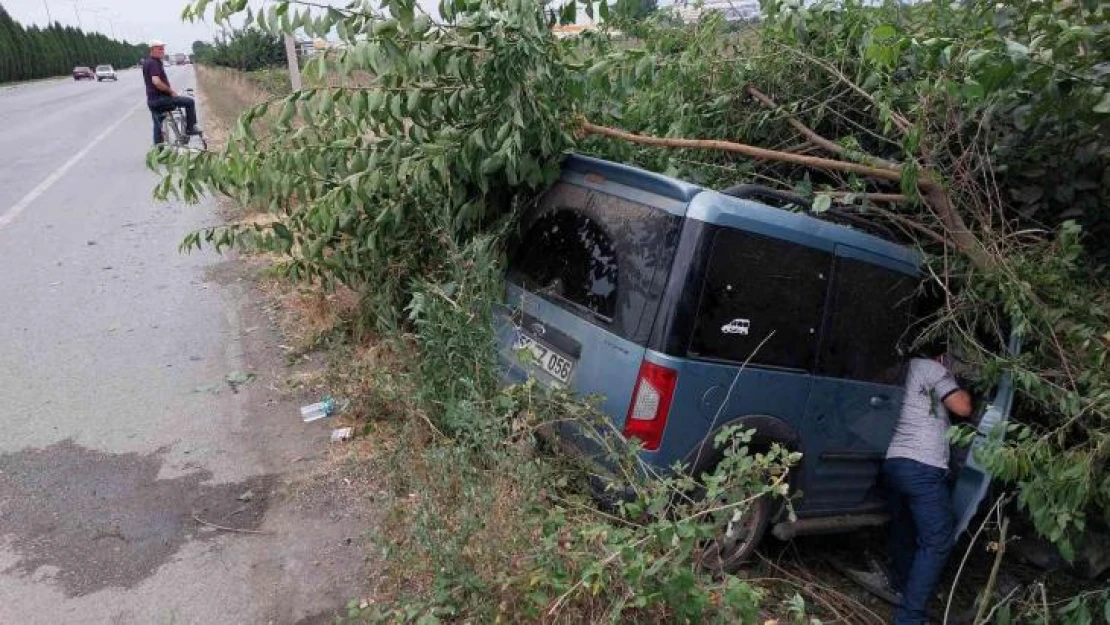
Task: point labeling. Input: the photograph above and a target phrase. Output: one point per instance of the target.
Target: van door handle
(879, 401)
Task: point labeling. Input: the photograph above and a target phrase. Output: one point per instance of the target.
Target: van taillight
(651, 401)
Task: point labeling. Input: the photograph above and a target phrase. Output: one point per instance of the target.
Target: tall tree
(54, 50)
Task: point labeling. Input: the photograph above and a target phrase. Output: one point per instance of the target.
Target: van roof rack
(845, 218)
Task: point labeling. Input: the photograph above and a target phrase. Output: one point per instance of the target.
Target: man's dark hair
(934, 347)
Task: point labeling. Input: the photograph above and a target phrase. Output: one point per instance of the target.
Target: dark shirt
(153, 67)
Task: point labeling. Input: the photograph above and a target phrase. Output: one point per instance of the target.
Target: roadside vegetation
(246, 49)
(978, 132)
(258, 55)
(32, 52)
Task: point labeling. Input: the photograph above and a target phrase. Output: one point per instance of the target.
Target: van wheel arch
(768, 431)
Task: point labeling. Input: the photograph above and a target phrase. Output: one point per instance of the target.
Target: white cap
(157, 43)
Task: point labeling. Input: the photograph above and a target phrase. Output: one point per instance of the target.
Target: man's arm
(958, 403)
(162, 86)
(956, 400)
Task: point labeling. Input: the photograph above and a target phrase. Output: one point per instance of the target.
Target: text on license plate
(545, 358)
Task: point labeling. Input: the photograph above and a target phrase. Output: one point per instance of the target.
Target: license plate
(544, 358)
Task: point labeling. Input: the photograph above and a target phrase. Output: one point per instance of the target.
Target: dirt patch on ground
(90, 520)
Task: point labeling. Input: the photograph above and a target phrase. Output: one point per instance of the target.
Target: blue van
(688, 310)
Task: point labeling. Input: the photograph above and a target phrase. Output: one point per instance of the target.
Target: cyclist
(160, 96)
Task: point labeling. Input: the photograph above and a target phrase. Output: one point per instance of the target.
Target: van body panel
(606, 365)
(717, 208)
(711, 395)
(629, 178)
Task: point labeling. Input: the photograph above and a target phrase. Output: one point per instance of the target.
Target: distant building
(733, 10)
(306, 48)
(566, 31)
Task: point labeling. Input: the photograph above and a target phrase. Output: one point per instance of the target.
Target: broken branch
(751, 151)
(932, 192)
(225, 528)
(817, 139)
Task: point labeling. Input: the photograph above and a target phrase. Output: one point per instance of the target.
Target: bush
(246, 49)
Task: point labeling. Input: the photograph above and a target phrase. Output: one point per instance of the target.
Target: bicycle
(173, 130)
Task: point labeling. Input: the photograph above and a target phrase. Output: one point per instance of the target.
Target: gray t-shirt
(920, 434)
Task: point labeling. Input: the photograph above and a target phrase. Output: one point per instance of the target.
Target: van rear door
(584, 286)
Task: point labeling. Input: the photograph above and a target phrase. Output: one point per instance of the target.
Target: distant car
(83, 73)
(105, 72)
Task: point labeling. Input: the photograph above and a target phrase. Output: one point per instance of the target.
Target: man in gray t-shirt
(916, 474)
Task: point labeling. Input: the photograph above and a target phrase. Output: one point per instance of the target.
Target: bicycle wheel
(179, 128)
(170, 135)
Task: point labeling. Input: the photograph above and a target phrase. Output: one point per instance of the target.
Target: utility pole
(77, 14)
(294, 66)
(49, 19)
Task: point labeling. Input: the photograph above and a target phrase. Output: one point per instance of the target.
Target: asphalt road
(118, 428)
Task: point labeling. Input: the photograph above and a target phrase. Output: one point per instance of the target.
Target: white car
(105, 72)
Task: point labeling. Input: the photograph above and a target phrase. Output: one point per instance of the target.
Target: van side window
(568, 254)
(758, 287)
(869, 312)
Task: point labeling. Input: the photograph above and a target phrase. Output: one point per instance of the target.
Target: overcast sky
(139, 20)
(133, 20)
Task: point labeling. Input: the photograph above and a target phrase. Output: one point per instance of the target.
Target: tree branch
(750, 151)
(817, 139)
(892, 198)
(932, 192)
(897, 118)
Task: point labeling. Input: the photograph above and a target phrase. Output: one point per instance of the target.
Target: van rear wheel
(738, 538)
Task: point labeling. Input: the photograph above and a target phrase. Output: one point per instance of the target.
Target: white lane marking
(13, 212)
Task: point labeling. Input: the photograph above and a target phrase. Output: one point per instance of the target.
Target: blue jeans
(166, 104)
(922, 528)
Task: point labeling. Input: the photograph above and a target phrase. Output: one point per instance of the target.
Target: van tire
(723, 555)
(729, 560)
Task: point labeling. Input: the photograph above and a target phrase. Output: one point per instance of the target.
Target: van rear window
(601, 257)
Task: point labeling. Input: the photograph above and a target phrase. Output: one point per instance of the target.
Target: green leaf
(884, 32)
(384, 27)
(413, 104)
(493, 164)
(1017, 51)
(395, 107)
(282, 232)
(822, 203)
(1103, 106)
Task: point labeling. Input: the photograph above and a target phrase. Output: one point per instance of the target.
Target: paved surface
(119, 426)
